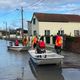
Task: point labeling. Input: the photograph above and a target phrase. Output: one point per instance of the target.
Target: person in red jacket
(16, 42)
(58, 43)
(41, 46)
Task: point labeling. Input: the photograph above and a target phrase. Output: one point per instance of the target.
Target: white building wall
(35, 26)
(29, 28)
(0, 34)
(68, 27)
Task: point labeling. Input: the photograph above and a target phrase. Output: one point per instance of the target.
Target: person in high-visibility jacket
(25, 41)
(34, 41)
(58, 43)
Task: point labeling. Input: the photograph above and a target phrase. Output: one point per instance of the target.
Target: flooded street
(17, 66)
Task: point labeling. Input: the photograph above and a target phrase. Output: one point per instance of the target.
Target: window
(76, 32)
(34, 20)
(35, 33)
(47, 32)
(61, 32)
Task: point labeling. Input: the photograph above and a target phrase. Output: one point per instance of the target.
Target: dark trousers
(58, 49)
(34, 45)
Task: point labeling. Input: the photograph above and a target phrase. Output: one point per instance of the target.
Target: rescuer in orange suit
(25, 41)
(34, 42)
(58, 43)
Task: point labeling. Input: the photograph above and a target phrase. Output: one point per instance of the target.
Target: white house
(50, 24)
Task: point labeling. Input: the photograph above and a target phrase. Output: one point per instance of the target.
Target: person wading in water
(58, 43)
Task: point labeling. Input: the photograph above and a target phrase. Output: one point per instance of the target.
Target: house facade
(51, 24)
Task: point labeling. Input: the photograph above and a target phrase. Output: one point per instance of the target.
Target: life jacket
(24, 42)
(35, 40)
(16, 43)
(42, 44)
(58, 41)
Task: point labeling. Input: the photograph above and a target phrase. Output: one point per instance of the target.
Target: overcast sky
(10, 9)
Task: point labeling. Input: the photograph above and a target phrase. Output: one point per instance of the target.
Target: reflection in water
(14, 65)
(49, 72)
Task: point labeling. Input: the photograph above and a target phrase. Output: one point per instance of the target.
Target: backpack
(41, 44)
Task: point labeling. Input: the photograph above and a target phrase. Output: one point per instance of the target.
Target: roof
(45, 17)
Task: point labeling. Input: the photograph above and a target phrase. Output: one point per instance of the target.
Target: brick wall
(72, 44)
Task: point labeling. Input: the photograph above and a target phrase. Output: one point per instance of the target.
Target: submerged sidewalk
(50, 45)
(71, 60)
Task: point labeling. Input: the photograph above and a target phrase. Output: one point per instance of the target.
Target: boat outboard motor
(43, 50)
(10, 43)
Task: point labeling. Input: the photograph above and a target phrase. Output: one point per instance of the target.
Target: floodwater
(18, 66)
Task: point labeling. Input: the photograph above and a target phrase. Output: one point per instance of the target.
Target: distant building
(50, 24)
(17, 33)
(19, 30)
(0, 33)
(4, 33)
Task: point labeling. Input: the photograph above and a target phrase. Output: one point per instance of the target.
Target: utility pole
(22, 20)
(22, 24)
(6, 29)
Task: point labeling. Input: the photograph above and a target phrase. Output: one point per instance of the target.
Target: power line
(35, 3)
(7, 13)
